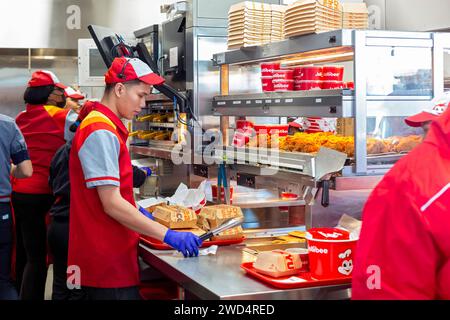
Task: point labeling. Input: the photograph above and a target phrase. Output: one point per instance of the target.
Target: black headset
(121, 75)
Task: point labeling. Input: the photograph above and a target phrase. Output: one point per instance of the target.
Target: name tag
(5, 217)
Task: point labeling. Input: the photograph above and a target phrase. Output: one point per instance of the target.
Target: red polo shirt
(103, 249)
(404, 248)
(45, 129)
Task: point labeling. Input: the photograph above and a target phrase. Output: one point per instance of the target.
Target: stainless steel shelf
(162, 153)
(331, 40)
(323, 103)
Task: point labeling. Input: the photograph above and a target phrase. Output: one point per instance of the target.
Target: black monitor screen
(108, 43)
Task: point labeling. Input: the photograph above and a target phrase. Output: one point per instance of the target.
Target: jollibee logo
(317, 250)
(319, 74)
(289, 262)
(346, 267)
(267, 70)
(331, 74)
(330, 235)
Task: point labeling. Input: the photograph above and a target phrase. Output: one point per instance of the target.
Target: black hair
(38, 95)
(110, 86)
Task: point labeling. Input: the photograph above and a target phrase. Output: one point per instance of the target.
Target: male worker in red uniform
(404, 247)
(104, 221)
(45, 127)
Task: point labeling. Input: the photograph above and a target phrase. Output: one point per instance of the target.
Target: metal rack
(333, 46)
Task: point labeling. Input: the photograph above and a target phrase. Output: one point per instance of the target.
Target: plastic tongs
(222, 180)
(227, 224)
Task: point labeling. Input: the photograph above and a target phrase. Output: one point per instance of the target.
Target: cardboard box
(345, 127)
(175, 217)
(216, 215)
(234, 233)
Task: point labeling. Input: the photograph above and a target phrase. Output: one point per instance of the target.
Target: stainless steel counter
(220, 277)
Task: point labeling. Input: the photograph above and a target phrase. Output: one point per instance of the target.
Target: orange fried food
(406, 144)
(376, 146)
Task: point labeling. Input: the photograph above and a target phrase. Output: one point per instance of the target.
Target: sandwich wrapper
(350, 224)
(194, 199)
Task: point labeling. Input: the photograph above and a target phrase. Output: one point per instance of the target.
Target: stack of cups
(332, 77)
(283, 80)
(267, 70)
(308, 78)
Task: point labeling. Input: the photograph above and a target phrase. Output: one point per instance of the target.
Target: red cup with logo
(267, 84)
(283, 74)
(329, 85)
(331, 253)
(333, 73)
(307, 85)
(312, 73)
(283, 85)
(267, 69)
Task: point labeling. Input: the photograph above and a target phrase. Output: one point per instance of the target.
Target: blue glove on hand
(147, 170)
(185, 242)
(146, 213)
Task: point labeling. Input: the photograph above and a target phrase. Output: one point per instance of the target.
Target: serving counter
(219, 277)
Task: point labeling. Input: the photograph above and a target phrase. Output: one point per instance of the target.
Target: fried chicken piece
(406, 144)
(376, 146)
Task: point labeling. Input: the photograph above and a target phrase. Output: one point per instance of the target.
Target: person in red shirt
(404, 248)
(426, 117)
(45, 127)
(104, 223)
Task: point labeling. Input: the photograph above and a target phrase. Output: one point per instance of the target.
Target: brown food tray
(158, 245)
(300, 280)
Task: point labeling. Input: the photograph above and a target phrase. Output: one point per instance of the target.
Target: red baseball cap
(128, 69)
(72, 93)
(45, 78)
(439, 106)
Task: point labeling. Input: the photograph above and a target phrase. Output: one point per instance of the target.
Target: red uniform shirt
(45, 129)
(103, 249)
(404, 248)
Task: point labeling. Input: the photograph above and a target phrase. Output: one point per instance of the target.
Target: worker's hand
(147, 170)
(185, 242)
(146, 213)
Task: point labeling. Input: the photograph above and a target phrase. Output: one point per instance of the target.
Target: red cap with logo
(439, 105)
(128, 69)
(45, 78)
(74, 94)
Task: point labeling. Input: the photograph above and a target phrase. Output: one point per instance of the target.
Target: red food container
(267, 69)
(283, 74)
(244, 124)
(333, 73)
(287, 196)
(299, 74)
(349, 85)
(222, 193)
(267, 84)
(312, 73)
(331, 253)
(327, 85)
(283, 85)
(281, 129)
(307, 85)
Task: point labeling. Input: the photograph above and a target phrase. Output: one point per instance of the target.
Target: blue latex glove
(147, 170)
(146, 213)
(185, 242)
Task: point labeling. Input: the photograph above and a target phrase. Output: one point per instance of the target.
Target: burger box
(175, 217)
